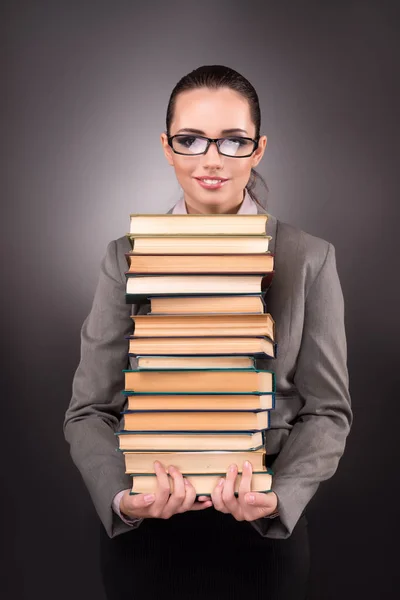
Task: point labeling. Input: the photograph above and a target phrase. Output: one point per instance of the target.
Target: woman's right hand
(162, 504)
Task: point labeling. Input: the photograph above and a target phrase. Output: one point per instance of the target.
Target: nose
(212, 158)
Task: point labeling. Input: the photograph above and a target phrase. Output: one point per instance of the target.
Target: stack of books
(196, 399)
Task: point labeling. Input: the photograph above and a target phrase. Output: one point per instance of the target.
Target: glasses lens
(189, 144)
(236, 146)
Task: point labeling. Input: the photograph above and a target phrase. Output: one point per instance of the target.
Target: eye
(187, 140)
(189, 144)
(240, 141)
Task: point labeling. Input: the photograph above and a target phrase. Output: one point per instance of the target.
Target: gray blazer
(313, 413)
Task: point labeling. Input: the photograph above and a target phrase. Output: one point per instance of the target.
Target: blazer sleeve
(93, 415)
(317, 440)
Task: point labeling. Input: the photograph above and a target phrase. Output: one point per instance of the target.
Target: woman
(223, 547)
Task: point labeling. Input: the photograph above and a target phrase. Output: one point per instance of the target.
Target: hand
(249, 506)
(162, 504)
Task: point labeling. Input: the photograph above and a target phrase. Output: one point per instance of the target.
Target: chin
(211, 196)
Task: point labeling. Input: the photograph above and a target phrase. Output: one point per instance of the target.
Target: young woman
(255, 545)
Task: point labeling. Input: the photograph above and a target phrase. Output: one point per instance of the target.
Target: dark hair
(214, 77)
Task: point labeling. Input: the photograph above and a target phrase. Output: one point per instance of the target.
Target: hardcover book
(200, 402)
(217, 304)
(195, 362)
(207, 244)
(171, 224)
(219, 325)
(216, 461)
(185, 441)
(220, 263)
(141, 287)
(196, 421)
(215, 381)
(203, 484)
(196, 346)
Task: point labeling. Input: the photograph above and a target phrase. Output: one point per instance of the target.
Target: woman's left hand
(249, 506)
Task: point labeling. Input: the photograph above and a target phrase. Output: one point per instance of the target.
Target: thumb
(262, 500)
(132, 502)
(142, 500)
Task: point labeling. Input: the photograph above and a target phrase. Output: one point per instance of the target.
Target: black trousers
(204, 555)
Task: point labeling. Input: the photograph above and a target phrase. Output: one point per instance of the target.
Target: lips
(210, 178)
(210, 183)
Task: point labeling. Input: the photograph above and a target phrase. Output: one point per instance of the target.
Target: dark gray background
(86, 89)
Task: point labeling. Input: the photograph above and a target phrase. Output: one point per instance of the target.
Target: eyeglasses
(193, 145)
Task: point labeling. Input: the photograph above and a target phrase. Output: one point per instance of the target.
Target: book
(203, 484)
(195, 362)
(196, 399)
(198, 402)
(171, 224)
(193, 462)
(203, 325)
(259, 346)
(156, 421)
(200, 380)
(184, 244)
(220, 263)
(184, 441)
(194, 304)
(139, 287)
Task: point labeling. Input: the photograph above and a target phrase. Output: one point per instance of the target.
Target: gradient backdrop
(87, 85)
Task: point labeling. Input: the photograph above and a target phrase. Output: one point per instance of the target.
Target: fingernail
(247, 464)
(250, 498)
(149, 498)
(171, 469)
(185, 481)
(221, 482)
(232, 468)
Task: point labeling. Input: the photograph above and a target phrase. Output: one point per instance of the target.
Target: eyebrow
(200, 132)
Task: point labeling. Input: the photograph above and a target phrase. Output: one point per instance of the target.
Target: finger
(216, 497)
(163, 488)
(245, 483)
(190, 496)
(201, 505)
(203, 498)
(228, 496)
(191, 503)
(178, 494)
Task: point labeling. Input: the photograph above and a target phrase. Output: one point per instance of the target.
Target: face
(215, 114)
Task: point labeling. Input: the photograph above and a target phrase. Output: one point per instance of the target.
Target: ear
(259, 153)
(167, 149)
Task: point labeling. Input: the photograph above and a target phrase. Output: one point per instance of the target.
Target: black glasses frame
(216, 141)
